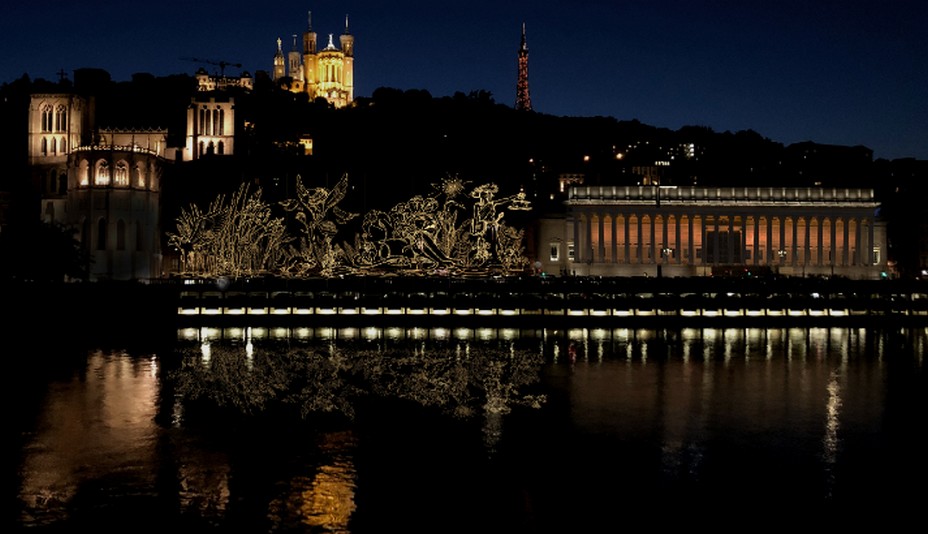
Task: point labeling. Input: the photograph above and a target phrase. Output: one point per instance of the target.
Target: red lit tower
(523, 99)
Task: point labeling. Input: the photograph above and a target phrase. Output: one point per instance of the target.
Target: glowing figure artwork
(425, 234)
(313, 209)
(237, 238)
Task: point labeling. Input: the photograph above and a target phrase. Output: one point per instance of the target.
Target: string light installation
(451, 230)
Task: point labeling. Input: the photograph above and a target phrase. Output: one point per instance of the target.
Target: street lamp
(782, 254)
(666, 252)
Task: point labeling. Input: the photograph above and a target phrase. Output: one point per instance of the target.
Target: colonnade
(691, 228)
(648, 237)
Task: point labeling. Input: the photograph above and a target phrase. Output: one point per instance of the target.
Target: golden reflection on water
(325, 498)
(101, 419)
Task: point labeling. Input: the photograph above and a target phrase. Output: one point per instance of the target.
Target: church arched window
(101, 234)
(46, 118)
(61, 118)
(121, 176)
(138, 176)
(49, 212)
(63, 145)
(210, 148)
(103, 173)
(220, 148)
(54, 146)
(216, 121)
(83, 173)
(120, 235)
(222, 121)
(44, 146)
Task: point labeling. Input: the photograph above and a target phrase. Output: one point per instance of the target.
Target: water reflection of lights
(486, 334)
(347, 333)
(371, 333)
(462, 334)
(418, 333)
(441, 334)
(394, 334)
(832, 422)
(325, 333)
(303, 332)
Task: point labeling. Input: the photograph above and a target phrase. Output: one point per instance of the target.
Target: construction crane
(222, 64)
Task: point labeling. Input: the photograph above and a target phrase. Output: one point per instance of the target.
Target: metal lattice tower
(523, 98)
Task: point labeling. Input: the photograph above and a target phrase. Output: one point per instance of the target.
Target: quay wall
(147, 312)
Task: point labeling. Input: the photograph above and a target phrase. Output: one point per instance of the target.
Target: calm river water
(733, 429)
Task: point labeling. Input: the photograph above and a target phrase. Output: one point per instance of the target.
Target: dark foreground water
(734, 430)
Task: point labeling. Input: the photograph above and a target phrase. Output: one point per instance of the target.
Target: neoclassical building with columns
(699, 231)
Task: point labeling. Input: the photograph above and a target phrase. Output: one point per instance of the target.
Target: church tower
(280, 68)
(347, 42)
(309, 57)
(295, 63)
(327, 72)
(523, 99)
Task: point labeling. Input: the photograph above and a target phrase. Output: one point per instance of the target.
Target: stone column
(613, 244)
(834, 237)
(847, 241)
(690, 244)
(731, 239)
(820, 245)
(806, 249)
(627, 236)
(768, 252)
(856, 259)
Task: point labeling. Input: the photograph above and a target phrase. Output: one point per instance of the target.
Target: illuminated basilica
(320, 73)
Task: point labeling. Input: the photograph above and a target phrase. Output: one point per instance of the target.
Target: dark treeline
(396, 143)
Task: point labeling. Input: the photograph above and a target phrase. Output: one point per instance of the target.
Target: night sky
(848, 72)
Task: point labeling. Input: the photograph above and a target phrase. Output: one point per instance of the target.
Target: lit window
(570, 252)
(103, 173)
(46, 118)
(122, 174)
(61, 118)
(555, 251)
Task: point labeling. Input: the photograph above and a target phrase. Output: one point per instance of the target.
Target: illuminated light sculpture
(424, 234)
(427, 233)
(315, 210)
(238, 238)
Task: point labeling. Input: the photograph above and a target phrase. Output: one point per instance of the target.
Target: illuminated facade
(697, 231)
(221, 82)
(210, 128)
(102, 182)
(327, 73)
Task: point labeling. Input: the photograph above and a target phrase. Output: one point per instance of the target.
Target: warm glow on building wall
(210, 128)
(326, 73)
(698, 231)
